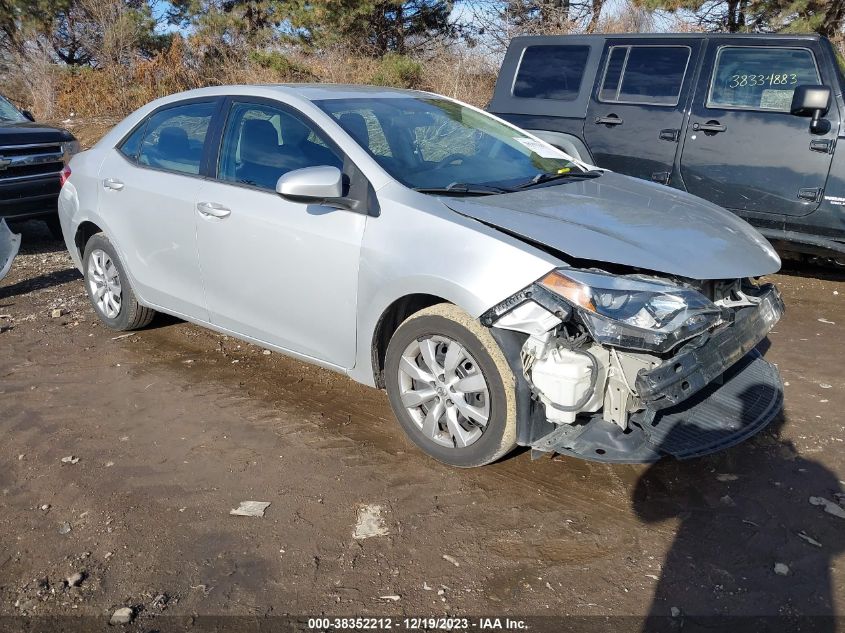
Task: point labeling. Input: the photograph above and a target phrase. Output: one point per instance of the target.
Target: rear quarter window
(551, 72)
(760, 78)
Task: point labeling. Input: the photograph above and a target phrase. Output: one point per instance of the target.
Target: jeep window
(551, 72)
(760, 78)
(644, 74)
(174, 137)
(8, 112)
(432, 143)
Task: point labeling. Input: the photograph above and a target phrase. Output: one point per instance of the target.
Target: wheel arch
(391, 318)
(84, 232)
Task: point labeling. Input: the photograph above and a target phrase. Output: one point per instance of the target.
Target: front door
(636, 112)
(743, 149)
(281, 272)
(149, 185)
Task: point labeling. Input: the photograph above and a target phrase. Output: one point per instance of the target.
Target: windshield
(433, 143)
(8, 112)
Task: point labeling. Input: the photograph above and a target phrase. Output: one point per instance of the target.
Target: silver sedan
(502, 292)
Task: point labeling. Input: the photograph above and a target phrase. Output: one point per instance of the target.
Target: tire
(100, 262)
(438, 424)
(55, 228)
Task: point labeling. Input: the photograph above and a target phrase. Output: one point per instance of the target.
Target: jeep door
(636, 112)
(743, 149)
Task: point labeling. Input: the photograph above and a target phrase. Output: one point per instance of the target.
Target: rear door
(636, 112)
(148, 186)
(743, 150)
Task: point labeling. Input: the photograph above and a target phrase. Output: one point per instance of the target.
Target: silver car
(502, 292)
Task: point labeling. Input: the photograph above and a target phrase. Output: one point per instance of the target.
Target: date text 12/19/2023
(416, 624)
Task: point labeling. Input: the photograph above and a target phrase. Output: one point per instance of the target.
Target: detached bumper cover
(690, 371)
(9, 245)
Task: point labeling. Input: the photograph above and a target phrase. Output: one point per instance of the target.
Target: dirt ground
(174, 426)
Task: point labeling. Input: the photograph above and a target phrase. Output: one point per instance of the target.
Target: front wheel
(451, 387)
(108, 287)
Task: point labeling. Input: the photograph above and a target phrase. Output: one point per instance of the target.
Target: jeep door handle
(710, 126)
(213, 210)
(113, 184)
(609, 120)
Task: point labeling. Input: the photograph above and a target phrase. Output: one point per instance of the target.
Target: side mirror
(317, 185)
(812, 101)
(28, 115)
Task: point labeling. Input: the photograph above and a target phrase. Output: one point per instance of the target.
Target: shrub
(398, 71)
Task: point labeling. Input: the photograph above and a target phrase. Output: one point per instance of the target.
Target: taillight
(64, 175)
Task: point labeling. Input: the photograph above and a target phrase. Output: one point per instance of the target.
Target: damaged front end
(628, 368)
(10, 243)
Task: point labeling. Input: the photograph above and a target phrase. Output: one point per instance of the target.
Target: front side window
(434, 143)
(262, 142)
(174, 138)
(8, 112)
(645, 74)
(551, 72)
(760, 78)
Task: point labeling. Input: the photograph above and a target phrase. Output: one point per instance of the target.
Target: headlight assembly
(631, 313)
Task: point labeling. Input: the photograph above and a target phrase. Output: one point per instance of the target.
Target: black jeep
(752, 122)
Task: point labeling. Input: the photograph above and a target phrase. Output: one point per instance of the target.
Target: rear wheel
(451, 387)
(108, 287)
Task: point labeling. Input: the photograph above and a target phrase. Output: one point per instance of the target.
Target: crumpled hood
(622, 220)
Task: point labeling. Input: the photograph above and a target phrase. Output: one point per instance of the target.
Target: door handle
(213, 210)
(672, 135)
(113, 184)
(710, 126)
(609, 120)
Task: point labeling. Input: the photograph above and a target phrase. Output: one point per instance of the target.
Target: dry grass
(112, 91)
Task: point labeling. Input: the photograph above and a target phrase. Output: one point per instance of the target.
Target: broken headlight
(634, 313)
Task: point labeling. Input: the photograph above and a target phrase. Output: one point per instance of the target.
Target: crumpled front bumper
(10, 243)
(705, 399)
(691, 370)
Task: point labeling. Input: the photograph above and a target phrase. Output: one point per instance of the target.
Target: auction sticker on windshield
(541, 149)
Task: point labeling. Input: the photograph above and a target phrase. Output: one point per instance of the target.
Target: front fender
(426, 248)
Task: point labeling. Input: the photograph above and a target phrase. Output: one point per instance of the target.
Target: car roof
(302, 92)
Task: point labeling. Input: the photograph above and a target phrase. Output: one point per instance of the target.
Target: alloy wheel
(104, 283)
(444, 390)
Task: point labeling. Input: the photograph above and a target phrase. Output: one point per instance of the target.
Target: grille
(28, 162)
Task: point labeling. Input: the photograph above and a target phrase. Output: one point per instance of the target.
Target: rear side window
(644, 74)
(132, 143)
(760, 78)
(174, 138)
(551, 72)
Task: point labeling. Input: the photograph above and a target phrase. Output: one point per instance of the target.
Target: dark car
(32, 156)
(749, 122)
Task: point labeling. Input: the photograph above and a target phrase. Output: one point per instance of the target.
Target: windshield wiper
(543, 178)
(464, 189)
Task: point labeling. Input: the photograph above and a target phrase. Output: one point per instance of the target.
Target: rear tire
(451, 387)
(108, 287)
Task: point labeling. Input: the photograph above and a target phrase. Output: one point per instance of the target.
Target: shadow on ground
(749, 542)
